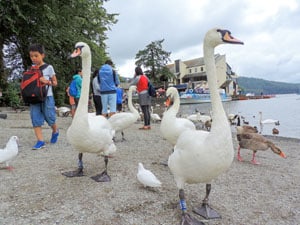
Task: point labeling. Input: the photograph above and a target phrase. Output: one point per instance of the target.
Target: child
(44, 111)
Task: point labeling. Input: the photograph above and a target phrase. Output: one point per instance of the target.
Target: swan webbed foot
(187, 219)
(253, 161)
(75, 173)
(206, 211)
(102, 177)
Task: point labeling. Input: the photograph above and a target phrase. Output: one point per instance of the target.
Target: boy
(44, 111)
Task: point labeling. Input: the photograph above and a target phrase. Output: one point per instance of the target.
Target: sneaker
(54, 137)
(39, 145)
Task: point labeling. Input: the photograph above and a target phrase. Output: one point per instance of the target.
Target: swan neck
(82, 107)
(130, 105)
(217, 107)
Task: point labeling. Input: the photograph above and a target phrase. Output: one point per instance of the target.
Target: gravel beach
(35, 192)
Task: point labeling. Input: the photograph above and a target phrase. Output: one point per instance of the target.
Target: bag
(73, 89)
(151, 90)
(32, 89)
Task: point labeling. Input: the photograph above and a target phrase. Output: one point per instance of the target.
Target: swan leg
(239, 154)
(253, 161)
(205, 210)
(102, 177)
(186, 219)
(79, 171)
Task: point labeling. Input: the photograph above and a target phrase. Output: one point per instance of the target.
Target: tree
(58, 25)
(154, 59)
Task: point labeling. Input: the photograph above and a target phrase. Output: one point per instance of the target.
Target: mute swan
(121, 121)
(255, 142)
(171, 126)
(201, 156)
(266, 121)
(9, 152)
(154, 116)
(146, 177)
(92, 134)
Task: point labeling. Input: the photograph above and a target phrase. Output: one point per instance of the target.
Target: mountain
(258, 86)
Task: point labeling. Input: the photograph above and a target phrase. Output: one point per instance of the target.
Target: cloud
(268, 28)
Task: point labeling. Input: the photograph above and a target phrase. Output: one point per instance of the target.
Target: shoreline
(36, 193)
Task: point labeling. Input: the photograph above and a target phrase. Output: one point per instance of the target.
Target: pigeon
(9, 152)
(146, 177)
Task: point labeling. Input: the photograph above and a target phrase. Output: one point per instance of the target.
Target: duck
(171, 126)
(275, 131)
(123, 120)
(10, 152)
(256, 142)
(146, 177)
(200, 156)
(89, 134)
(232, 117)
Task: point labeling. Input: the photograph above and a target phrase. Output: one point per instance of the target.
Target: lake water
(285, 108)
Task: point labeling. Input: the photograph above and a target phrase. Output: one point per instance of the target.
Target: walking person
(96, 93)
(141, 81)
(44, 111)
(108, 88)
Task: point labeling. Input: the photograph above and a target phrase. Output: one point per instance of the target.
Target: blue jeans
(42, 112)
(109, 100)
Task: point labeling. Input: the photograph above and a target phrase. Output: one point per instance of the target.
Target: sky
(269, 29)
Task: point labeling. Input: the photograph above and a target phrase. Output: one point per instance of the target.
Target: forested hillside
(258, 86)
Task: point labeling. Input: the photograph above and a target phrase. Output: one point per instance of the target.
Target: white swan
(154, 116)
(171, 126)
(92, 134)
(200, 156)
(266, 121)
(121, 121)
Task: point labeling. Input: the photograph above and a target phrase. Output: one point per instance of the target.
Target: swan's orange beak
(230, 39)
(168, 102)
(282, 155)
(76, 53)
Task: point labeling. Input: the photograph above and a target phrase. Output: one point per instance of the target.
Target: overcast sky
(270, 30)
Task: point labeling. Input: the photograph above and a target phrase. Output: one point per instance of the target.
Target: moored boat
(191, 97)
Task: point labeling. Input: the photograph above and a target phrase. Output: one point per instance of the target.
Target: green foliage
(154, 59)
(58, 25)
(11, 96)
(258, 86)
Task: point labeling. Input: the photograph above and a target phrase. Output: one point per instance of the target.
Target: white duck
(146, 177)
(92, 134)
(201, 156)
(121, 121)
(9, 152)
(171, 126)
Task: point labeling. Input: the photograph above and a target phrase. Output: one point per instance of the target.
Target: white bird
(171, 126)
(266, 121)
(91, 134)
(146, 177)
(121, 121)
(154, 116)
(63, 111)
(9, 152)
(200, 156)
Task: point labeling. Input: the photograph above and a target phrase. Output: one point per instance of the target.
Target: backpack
(73, 89)
(151, 89)
(32, 89)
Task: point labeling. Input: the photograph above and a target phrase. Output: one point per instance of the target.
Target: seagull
(9, 152)
(146, 177)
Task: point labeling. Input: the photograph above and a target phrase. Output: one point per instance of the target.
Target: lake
(285, 108)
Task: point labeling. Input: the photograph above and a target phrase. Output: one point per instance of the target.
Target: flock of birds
(197, 156)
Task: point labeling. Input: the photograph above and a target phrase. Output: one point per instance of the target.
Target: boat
(190, 96)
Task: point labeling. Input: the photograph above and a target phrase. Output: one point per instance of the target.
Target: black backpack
(32, 89)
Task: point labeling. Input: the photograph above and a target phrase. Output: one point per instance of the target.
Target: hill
(258, 86)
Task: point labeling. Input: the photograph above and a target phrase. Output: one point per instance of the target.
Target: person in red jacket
(141, 82)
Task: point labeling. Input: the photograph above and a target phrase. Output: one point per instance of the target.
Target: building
(192, 74)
